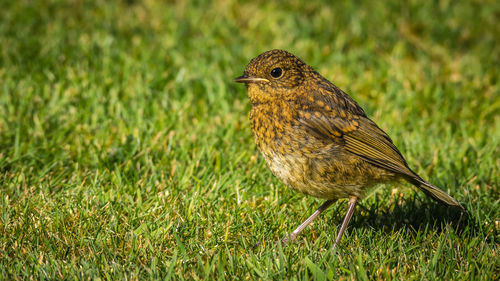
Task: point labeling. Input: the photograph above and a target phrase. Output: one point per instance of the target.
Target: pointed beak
(249, 79)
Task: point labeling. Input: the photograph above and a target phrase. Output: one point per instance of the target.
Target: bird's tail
(434, 192)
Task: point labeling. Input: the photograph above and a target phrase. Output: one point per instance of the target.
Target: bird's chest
(280, 141)
(303, 162)
(273, 127)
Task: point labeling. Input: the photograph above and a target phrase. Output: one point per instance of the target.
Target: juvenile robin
(317, 140)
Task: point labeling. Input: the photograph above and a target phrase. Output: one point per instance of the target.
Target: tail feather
(434, 192)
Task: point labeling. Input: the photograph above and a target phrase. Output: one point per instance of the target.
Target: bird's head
(274, 75)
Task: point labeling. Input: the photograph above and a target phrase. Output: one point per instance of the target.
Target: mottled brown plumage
(316, 138)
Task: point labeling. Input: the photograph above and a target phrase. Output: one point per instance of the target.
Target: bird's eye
(277, 72)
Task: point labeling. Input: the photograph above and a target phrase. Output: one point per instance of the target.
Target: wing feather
(362, 137)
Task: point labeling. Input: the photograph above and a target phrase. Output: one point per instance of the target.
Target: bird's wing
(360, 136)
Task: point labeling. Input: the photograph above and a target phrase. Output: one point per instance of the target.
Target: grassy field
(126, 150)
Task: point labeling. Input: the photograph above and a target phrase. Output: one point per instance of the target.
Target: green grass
(126, 150)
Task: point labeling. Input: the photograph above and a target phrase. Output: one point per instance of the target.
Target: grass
(126, 151)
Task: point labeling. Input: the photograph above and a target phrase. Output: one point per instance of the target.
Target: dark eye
(277, 72)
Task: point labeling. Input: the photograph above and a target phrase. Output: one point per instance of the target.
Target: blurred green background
(126, 151)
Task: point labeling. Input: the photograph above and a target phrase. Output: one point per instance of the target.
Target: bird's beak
(249, 79)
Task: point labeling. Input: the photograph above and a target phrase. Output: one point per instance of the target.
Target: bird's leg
(301, 227)
(350, 210)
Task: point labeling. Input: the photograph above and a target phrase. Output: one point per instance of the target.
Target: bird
(317, 140)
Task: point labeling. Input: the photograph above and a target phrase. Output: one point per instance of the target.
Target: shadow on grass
(412, 214)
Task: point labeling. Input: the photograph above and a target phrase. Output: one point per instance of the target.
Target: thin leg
(350, 210)
(301, 227)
